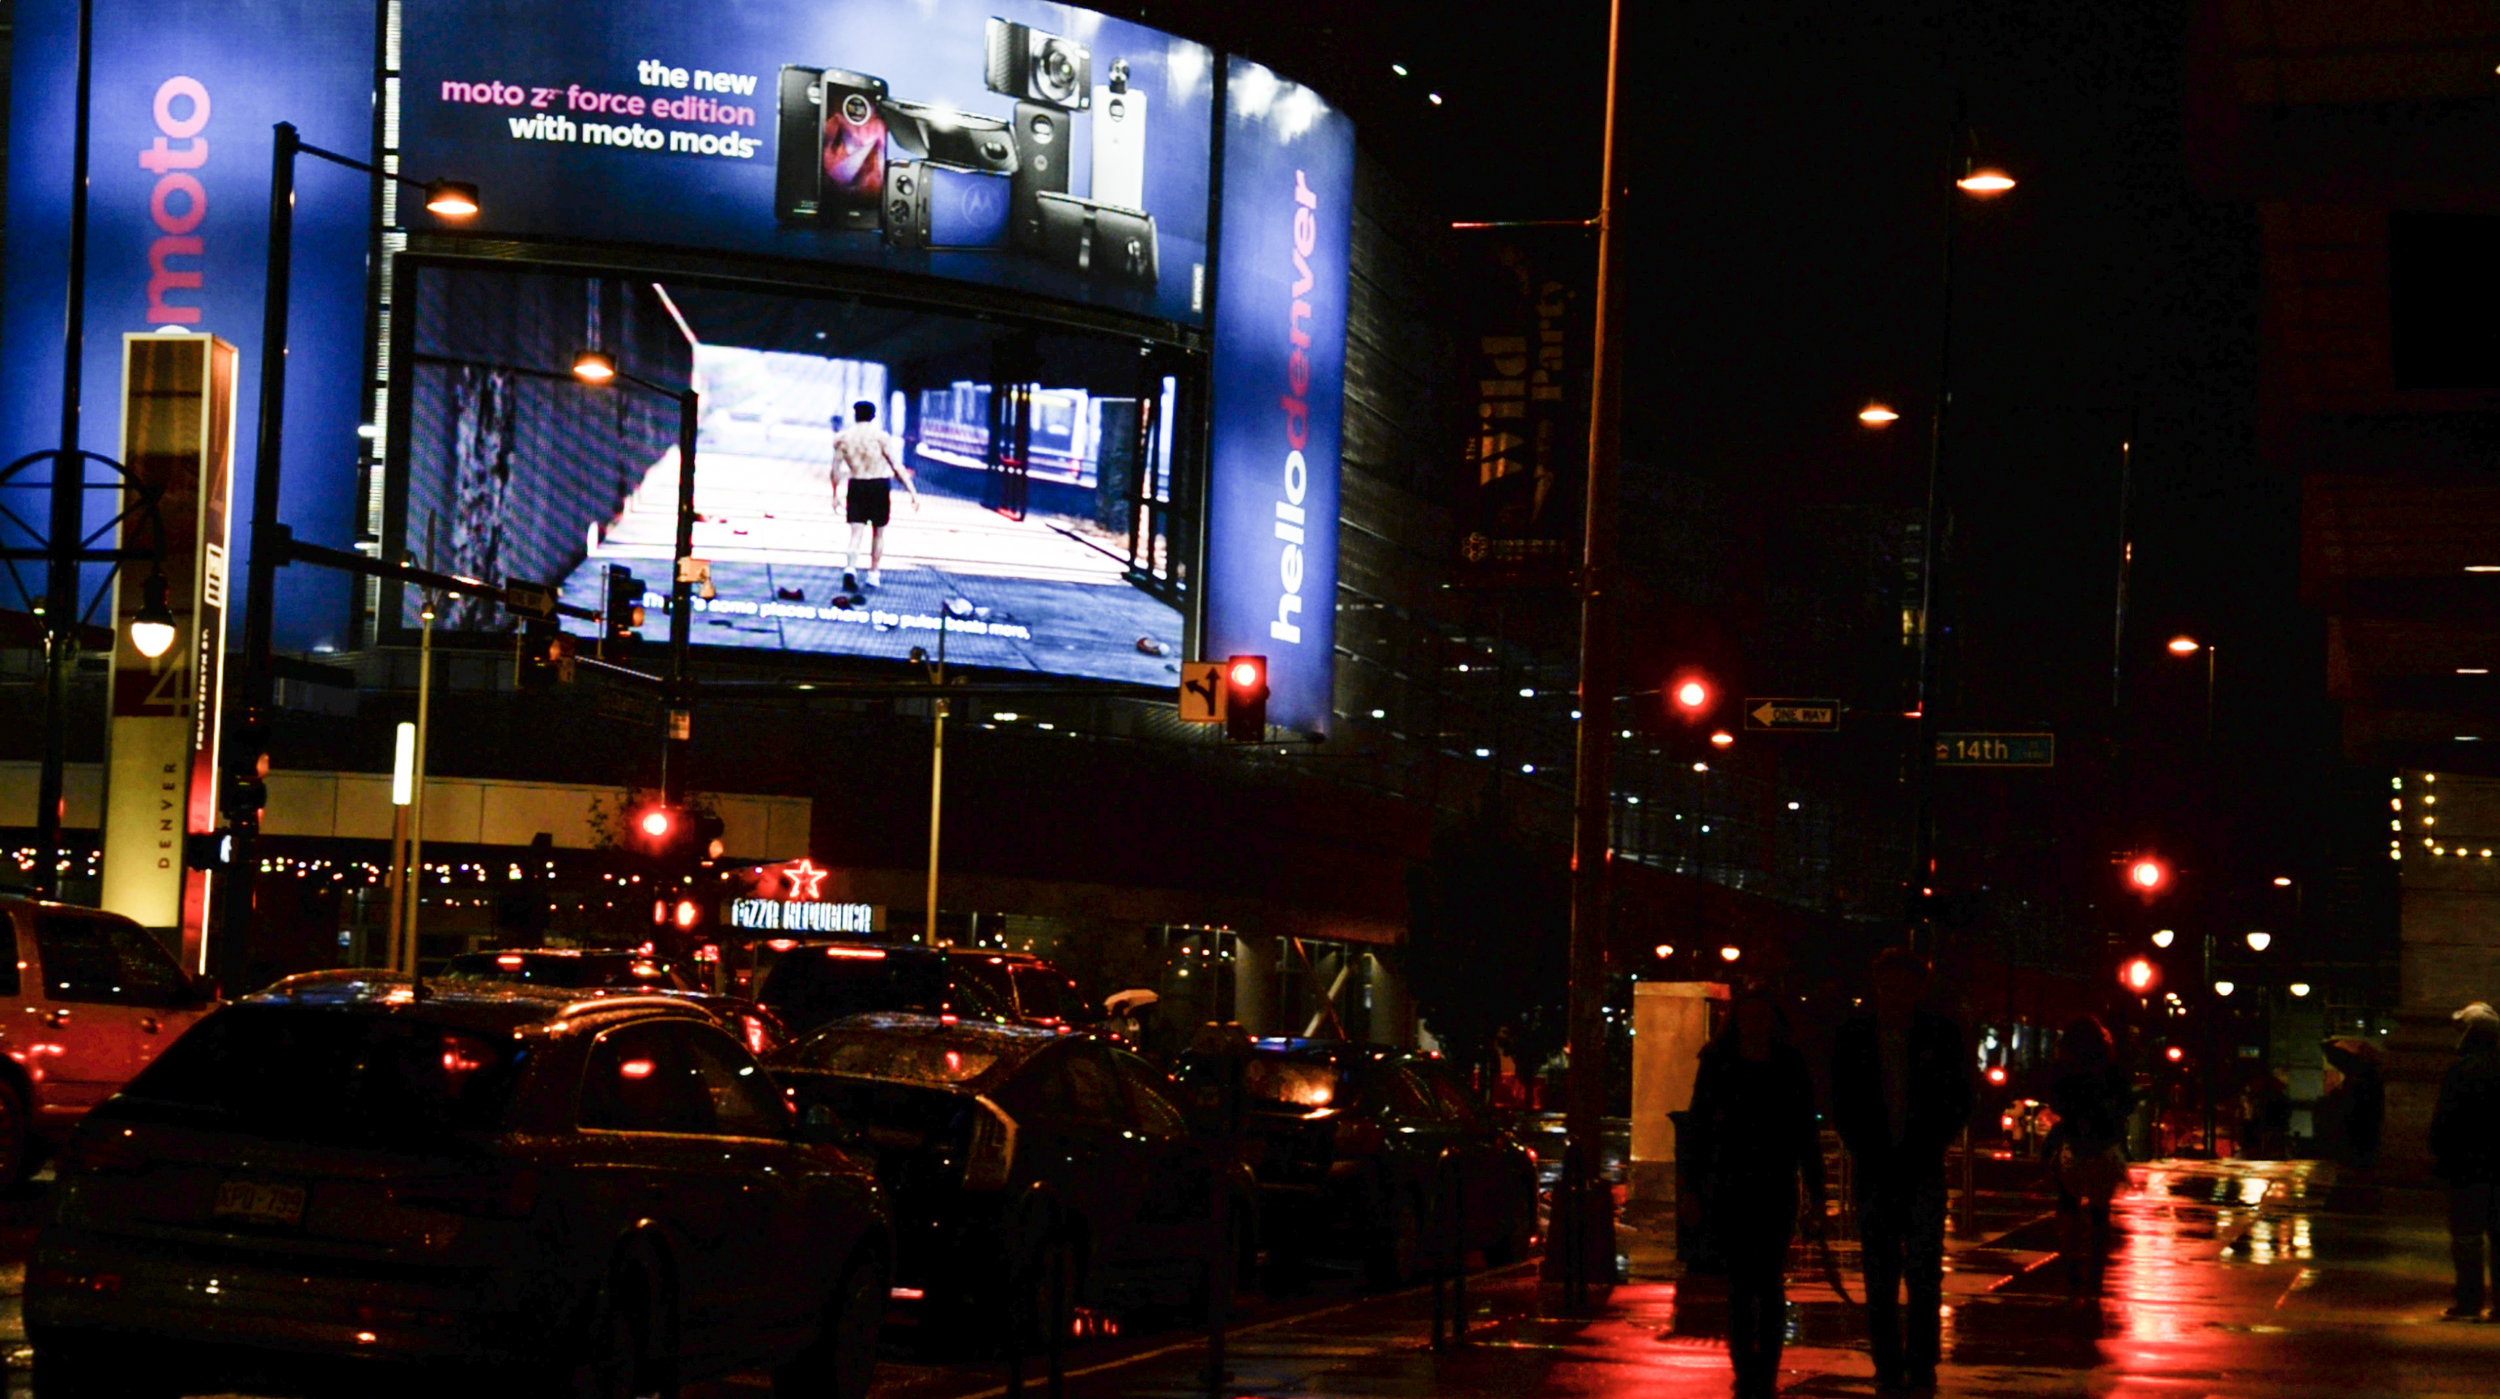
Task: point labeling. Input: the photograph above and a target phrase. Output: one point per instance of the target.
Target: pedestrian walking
(1760, 1171)
(2465, 1149)
(1901, 1092)
(867, 461)
(2092, 1097)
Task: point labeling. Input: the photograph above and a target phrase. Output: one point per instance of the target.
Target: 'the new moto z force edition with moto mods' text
(854, 157)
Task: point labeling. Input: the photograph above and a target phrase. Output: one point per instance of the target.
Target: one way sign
(1793, 715)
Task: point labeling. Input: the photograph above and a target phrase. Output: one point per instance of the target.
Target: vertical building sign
(1279, 388)
(178, 402)
(1526, 362)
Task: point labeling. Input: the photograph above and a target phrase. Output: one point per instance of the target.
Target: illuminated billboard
(866, 477)
(1279, 389)
(1039, 147)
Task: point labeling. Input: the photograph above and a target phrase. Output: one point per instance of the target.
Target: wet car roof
(493, 1005)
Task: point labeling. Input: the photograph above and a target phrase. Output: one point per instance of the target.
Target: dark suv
(566, 1194)
(815, 984)
(1031, 990)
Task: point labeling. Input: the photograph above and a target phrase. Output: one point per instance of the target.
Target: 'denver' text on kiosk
(1289, 510)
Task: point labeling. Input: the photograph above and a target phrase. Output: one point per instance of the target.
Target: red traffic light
(1245, 673)
(657, 822)
(1245, 698)
(2138, 975)
(2174, 1053)
(1691, 695)
(1996, 1073)
(2148, 875)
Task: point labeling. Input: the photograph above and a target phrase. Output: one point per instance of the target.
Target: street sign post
(2030, 750)
(1202, 692)
(1793, 715)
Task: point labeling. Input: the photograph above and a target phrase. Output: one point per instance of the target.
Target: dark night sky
(1785, 165)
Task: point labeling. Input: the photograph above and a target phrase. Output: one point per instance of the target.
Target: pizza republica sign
(789, 898)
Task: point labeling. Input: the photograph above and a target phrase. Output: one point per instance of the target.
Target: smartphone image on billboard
(933, 206)
(1093, 238)
(854, 150)
(1042, 144)
(949, 137)
(798, 167)
(1119, 141)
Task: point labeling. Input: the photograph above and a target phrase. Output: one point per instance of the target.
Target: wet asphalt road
(2226, 1279)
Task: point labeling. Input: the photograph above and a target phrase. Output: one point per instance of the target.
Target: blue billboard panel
(184, 99)
(1279, 388)
(868, 480)
(1039, 147)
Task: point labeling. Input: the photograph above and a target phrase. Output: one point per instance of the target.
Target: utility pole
(1593, 791)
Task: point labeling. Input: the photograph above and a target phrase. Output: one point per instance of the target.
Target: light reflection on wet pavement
(2225, 1279)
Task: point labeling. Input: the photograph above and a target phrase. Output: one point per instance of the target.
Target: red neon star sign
(806, 881)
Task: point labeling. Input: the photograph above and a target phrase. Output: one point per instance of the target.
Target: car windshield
(302, 1073)
(572, 971)
(1289, 1082)
(939, 1058)
(808, 988)
(1270, 1081)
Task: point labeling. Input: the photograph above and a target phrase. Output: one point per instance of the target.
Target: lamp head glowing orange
(1985, 181)
(2184, 646)
(594, 366)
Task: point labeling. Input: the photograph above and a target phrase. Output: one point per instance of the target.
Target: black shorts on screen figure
(870, 503)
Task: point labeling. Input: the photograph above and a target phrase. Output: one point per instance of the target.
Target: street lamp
(2260, 941)
(446, 199)
(2164, 937)
(2224, 988)
(1876, 415)
(2185, 646)
(1985, 182)
(598, 369)
(152, 628)
(2298, 988)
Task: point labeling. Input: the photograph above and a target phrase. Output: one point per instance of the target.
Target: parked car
(976, 1127)
(1349, 1144)
(558, 1191)
(1032, 991)
(611, 969)
(813, 984)
(90, 999)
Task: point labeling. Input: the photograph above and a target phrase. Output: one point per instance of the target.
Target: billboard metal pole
(63, 538)
(681, 607)
(1592, 1250)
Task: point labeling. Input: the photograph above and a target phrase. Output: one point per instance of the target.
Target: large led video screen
(866, 476)
(1039, 147)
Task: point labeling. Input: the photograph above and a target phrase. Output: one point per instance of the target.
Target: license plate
(260, 1202)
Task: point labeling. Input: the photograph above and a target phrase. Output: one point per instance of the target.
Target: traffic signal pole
(1589, 1257)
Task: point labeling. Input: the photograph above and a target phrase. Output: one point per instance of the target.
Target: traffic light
(2148, 876)
(676, 835)
(2139, 975)
(620, 614)
(546, 658)
(244, 776)
(1691, 695)
(1245, 699)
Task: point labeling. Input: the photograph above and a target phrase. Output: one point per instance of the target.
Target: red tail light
(490, 1194)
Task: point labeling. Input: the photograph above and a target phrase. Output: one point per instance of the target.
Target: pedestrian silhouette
(2092, 1097)
(2465, 1148)
(1901, 1092)
(1754, 1125)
